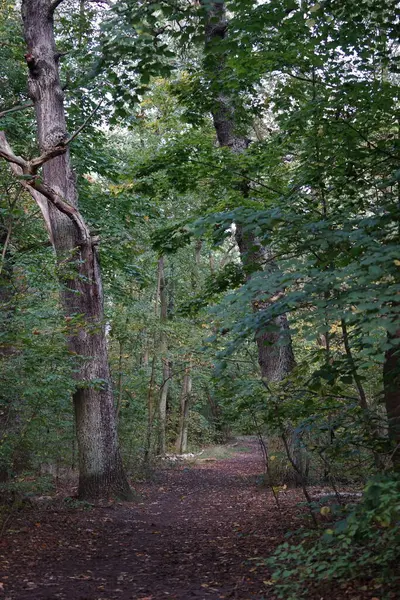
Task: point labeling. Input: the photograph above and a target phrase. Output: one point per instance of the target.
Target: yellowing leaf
(315, 8)
(325, 510)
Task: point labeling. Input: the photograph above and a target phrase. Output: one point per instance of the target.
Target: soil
(194, 534)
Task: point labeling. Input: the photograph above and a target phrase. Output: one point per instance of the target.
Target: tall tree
(166, 371)
(276, 360)
(101, 472)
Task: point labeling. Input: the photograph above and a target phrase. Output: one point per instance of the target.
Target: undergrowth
(363, 542)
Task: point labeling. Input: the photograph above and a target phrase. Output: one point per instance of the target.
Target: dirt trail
(190, 537)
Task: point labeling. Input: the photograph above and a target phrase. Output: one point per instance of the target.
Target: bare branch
(5, 247)
(18, 170)
(29, 167)
(9, 156)
(16, 109)
(35, 164)
(84, 124)
(63, 206)
(107, 2)
(42, 193)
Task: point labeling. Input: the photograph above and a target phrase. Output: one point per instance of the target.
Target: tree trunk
(276, 361)
(181, 442)
(150, 410)
(274, 347)
(101, 472)
(164, 358)
(391, 379)
(7, 418)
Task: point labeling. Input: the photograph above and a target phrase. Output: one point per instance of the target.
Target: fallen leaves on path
(196, 535)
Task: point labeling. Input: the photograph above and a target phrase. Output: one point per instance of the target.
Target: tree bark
(101, 472)
(164, 358)
(274, 347)
(276, 360)
(181, 442)
(7, 417)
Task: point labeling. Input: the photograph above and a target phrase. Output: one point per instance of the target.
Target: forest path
(190, 537)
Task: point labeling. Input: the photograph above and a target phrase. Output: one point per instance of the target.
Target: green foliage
(313, 87)
(364, 540)
(229, 277)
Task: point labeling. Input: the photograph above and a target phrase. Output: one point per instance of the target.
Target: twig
(292, 462)
(267, 467)
(302, 482)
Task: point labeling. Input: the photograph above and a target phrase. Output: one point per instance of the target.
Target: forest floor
(194, 534)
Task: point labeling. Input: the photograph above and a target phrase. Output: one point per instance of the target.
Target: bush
(366, 540)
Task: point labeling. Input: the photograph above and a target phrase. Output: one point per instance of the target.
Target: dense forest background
(237, 169)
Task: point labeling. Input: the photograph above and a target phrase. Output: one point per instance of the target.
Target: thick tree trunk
(100, 467)
(276, 360)
(274, 347)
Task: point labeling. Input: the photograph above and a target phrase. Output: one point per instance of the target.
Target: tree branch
(84, 124)
(16, 109)
(29, 167)
(10, 157)
(242, 175)
(6, 243)
(18, 170)
(53, 5)
(39, 191)
(63, 206)
(35, 164)
(368, 141)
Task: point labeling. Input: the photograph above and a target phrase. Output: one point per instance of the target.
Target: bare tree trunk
(181, 442)
(150, 410)
(120, 382)
(101, 472)
(152, 407)
(164, 357)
